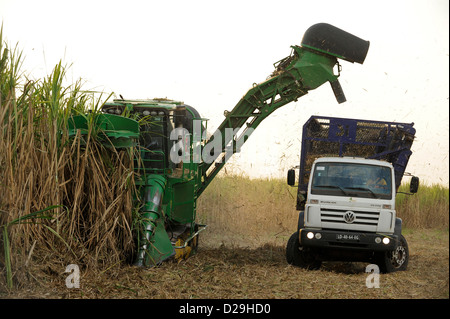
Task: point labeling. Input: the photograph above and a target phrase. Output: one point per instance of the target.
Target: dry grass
(251, 272)
(242, 255)
(428, 208)
(246, 206)
(267, 206)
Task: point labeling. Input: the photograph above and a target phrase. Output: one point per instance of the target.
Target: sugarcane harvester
(177, 161)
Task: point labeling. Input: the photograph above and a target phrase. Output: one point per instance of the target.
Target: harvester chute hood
(330, 40)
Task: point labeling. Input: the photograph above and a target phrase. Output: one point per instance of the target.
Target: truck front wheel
(299, 256)
(397, 259)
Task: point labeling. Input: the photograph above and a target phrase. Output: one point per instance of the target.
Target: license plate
(347, 237)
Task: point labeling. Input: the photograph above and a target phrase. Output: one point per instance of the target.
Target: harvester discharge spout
(329, 40)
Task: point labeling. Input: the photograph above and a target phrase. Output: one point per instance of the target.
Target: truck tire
(298, 256)
(395, 260)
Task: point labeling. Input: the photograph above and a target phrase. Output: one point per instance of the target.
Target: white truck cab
(349, 215)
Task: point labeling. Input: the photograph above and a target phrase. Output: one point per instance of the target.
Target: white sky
(209, 53)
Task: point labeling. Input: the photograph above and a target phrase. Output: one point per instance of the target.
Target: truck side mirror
(291, 177)
(414, 185)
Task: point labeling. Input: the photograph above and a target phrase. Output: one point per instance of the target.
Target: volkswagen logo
(349, 217)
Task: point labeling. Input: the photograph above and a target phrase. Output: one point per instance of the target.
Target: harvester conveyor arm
(308, 67)
(294, 76)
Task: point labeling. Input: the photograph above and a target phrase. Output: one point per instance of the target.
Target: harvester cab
(176, 161)
(166, 175)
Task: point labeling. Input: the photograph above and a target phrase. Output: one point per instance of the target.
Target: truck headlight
(386, 240)
(310, 235)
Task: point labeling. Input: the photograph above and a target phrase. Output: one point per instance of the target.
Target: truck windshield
(350, 179)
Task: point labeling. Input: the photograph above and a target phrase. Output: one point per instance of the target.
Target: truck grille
(350, 219)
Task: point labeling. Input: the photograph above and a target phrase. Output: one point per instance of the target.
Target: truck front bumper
(347, 240)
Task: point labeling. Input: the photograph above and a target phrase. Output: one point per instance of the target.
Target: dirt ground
(225, 268)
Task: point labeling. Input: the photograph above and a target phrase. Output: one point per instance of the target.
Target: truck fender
(398, 227)
(301, 220)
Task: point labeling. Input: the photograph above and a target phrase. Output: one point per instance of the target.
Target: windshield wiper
(333, 186)
(365, 189)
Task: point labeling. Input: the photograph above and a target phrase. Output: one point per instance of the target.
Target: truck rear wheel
(397, 259)
(299, 256)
